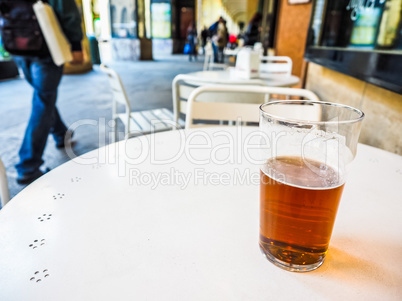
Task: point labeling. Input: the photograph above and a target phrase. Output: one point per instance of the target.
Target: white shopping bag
(247, 63)
(56, 41)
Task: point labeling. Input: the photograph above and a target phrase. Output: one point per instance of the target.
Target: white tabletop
(229, 76)
(229, 52)
(100, 236)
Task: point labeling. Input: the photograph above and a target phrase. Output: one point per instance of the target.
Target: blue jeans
(44, 76)
(193, 51)
(215, 50)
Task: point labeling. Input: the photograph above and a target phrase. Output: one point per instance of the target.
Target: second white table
(229, 77)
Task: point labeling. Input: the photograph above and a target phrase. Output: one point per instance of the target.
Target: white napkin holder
(248, 63)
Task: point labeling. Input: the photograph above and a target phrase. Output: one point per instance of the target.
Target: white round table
(229, 77)
(100, 228)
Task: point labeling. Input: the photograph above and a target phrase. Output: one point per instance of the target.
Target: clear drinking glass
(307, 147)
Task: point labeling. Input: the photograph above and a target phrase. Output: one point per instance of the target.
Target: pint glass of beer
(307, 147)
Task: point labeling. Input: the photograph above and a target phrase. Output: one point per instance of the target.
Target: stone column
(128, 30)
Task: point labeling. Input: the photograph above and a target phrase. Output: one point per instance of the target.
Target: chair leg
(4, 192)
(239, 123)
(115, 132)
(128, 130)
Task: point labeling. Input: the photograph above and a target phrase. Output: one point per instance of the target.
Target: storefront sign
(358, 5)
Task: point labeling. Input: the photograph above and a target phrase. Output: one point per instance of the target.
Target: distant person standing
(222, 39)
(213, 33)
(240, 36)
(252, 34)
(192, 41)
(42, 74)
(204, 37)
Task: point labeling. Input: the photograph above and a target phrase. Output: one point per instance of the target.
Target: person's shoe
(29, 178)
(65, 139)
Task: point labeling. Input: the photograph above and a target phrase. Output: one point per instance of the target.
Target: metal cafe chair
(138, 122)
(209, 59)
(4, 192)
(183, 85)
(276, 65)
(236, 111)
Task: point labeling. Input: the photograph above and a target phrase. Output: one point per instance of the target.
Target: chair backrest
(258, 47)
(181, 90)
(183, 85)
(119, 93)
(4, 192)
(209, 54)
(276, 65)
(234, 111)
(209, 59)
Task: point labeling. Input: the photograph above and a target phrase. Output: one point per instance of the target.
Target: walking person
(192, 41)
(213, 33)
(204, 37)
(44, 76)
(222, 39)
(252, 34)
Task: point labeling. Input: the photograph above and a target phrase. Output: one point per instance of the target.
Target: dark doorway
(186, 19)
(183, 14)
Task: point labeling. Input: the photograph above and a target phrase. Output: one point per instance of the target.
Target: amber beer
(298, 204)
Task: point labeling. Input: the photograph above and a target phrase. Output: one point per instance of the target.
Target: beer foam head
(308, 143)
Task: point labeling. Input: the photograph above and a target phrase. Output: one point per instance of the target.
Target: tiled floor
(85, 97)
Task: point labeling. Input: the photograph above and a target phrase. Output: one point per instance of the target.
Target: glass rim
(326, 103)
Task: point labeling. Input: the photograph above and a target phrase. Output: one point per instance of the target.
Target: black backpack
(20, 30)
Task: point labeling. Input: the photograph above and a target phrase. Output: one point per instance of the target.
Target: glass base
(290, 266)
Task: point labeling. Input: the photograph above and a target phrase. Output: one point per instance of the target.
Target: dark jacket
(70, 21)
(213, 29)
